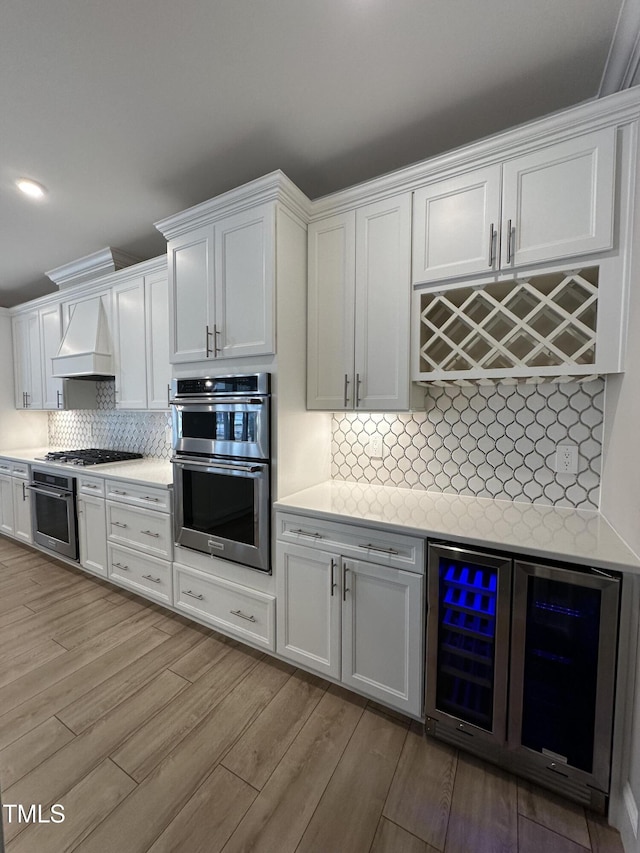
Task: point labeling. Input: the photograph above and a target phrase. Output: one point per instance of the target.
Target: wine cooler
(520, 666)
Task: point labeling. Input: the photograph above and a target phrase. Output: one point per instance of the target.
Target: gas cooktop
(90, 456)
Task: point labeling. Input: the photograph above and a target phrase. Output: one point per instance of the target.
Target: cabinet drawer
(147, 575)
(5, 466)
(229, 607)
(20, 469)
(140, 529)
(90, 486)
(136, 494)
(364, 543)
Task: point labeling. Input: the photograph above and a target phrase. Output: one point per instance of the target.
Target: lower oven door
(53, 517)
(223, 509)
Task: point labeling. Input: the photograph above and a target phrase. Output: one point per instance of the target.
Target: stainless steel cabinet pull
(89, 486)
(243, 615)
(193, 595)
(116, 492)
(151, 578)
(26, 396)
(333, 578)
(208, 335)
(216, 334)
(148, 498)
(358, 384)
(346, 390)
(150, 533)
(302, 532)
(492, 236)
(509, 233)
(345, 590)
(370, 547)
(118, 524)
(121, 566)
(168, 395)
(58, 399)
(24, 493)
(24, 402)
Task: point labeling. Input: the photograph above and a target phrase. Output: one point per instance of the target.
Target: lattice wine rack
(539, 326)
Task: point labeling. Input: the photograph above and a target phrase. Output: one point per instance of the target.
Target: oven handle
(182, 402)
(213, 466)
(65, 495)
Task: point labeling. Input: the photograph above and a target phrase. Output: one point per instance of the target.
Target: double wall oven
(221, 467)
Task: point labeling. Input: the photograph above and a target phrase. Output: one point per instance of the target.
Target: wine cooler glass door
(468, 642)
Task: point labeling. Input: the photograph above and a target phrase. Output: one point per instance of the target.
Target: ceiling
(131, 111)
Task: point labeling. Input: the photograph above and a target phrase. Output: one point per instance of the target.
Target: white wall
(620, 504)
(17, 429)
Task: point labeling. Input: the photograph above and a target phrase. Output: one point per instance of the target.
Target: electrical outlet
(567, 459)
(375, 448)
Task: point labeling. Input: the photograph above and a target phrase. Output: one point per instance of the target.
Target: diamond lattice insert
(544, 321)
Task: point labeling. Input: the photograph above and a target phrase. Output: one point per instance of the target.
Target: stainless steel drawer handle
(370, 547)
(151, 578)
(116, 492)
(194, 595)
(121, 566)
(118, 524)
(302, 532)
(148, 498)
(150, 533)
(89, 486)
(243, 615)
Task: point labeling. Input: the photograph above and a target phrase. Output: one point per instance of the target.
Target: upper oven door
(231, 427)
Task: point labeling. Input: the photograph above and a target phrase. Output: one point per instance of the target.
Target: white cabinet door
(330, 325)
(129, 344)
(27, 361)
(559, 201)
(455, 226)
(50, 337)
(383, 291)
(157, 325)
(244, 284)
(21, 511)
(382, 633)
(191, 270)
(308, 595)
(6, 505)
(92, 534)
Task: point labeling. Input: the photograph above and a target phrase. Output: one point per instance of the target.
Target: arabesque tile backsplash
(494, 441)
(109, 428)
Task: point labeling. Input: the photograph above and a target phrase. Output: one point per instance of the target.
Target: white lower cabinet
(6, 505)
(227, 606)
(141, 573)
(92, 525)
(356, 621)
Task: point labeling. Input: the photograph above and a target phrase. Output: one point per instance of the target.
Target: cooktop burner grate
(90, 456)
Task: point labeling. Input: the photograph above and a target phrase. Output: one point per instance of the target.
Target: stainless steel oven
(221, 467)
(53, 512)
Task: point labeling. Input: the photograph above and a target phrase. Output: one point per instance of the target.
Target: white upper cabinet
(27, 361)
(358, 309)
(140, 339)
(129, 344)
(549, 204)
(221, 288)
(50, 337)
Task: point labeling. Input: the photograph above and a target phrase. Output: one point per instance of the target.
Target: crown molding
(85, 269)
(275, 186)
(621, 70)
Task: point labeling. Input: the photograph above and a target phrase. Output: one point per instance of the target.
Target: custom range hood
(86, 350)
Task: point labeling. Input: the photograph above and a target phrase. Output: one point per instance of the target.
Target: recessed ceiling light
(31, 188)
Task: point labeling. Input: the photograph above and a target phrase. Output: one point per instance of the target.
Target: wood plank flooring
(156, 734)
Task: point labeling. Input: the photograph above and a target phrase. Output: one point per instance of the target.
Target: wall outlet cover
(375, 448)
(567, 459)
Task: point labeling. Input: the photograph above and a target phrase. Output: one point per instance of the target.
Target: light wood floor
(156, 734)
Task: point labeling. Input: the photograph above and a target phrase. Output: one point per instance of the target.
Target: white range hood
(85, 351)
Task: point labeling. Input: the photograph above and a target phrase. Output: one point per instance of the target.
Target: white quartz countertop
(536, 530)
(149, 471)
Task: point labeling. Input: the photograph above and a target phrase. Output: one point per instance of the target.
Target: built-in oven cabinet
(92, 524)
(231, 608)
(221, 287)
(337, 585)
(141, 573)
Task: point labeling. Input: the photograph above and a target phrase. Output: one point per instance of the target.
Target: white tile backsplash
(495, 441)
